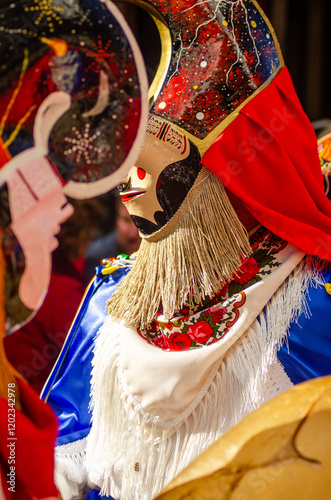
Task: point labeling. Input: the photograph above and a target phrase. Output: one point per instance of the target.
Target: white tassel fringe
(137, 455)
(131, 455)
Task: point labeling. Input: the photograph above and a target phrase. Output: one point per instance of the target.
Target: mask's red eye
(141, 173)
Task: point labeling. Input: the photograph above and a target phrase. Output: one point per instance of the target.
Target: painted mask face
(72, 122)
(37, 207)
(163, 175)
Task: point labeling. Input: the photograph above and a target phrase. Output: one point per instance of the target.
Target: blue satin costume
(306, 355)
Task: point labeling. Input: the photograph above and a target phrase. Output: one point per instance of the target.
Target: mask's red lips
(131, 194)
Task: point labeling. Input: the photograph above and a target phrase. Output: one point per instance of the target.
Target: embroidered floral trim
(212, 319)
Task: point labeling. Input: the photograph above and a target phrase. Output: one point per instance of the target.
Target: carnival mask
(215, 55)
(163, 175)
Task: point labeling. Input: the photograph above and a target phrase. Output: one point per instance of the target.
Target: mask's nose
(125, 185)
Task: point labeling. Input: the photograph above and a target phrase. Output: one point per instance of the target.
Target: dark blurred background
(303, 31)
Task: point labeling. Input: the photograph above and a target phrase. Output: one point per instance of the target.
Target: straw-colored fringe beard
(189, 263)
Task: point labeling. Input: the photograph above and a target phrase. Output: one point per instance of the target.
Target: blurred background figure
(123, 238)
(33, 349)
(324, 152)
(322, 127)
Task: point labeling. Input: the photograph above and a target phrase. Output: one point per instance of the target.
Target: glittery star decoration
(100, 54)
(46, 10)
(82, 144)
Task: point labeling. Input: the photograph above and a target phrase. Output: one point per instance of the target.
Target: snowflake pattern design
(82, 145)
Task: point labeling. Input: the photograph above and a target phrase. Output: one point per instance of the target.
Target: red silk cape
(268, 157)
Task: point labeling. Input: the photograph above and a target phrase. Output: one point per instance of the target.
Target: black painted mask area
(172, 187)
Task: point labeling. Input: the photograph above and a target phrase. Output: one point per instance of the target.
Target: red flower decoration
(200, 332)
(179, 342)
(185, 311)
(152, 327)
(223, 291)
(160, 341)
(248, 269)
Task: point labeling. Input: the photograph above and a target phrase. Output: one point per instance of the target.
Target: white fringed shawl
(155, 411)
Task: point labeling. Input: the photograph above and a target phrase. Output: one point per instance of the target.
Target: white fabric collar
(165, 383)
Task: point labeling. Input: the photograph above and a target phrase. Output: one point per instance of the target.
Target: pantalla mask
(73, 112)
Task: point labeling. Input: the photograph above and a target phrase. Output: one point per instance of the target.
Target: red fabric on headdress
(268, 157)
